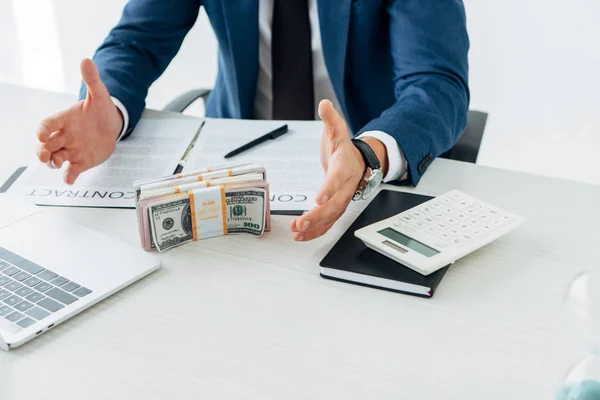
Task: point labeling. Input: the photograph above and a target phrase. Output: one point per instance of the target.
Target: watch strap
(368, 154)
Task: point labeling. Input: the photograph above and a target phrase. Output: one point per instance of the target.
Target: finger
(56, 141)
(323, 195)
(334, 195)
(58, 158)
(43, 153)
(293, 227)
(336, 180)
(72, 173)
(334, 123)
(49, 126)
(304, 237)
(91, 78)
(323, 215)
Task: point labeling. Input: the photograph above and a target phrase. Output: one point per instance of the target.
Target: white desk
(246, 318)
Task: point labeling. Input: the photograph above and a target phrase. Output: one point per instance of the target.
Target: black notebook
(351, 261)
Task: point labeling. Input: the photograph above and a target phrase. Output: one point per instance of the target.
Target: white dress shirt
(323, 88)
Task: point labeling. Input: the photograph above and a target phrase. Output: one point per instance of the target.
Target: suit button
(425, 163)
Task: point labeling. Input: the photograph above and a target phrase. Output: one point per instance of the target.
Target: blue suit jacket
(399, 66)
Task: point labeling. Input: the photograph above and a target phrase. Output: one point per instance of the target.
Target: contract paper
(292, 161)
(152, 150)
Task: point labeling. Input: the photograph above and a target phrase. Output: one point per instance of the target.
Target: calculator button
(467, 237)
(446, 200)
(427, 220)
(427, 209)
(474, 222)
(463, 204)
(471, 212)
(458, 242)
(453, 231)
(445, 236)
(441, 226)
(486, 228)
(476, 232)
(456, 195)
(480, 207)
(437, 205)
(416, 214)
(497, 223)
(406, 218)
(438, 215)
(506, 218)
(464, 226)
(461, 216)
(448, 210)
(451, 221)
(493, 212)
(484, 217)
(417, 224)
(432, 231)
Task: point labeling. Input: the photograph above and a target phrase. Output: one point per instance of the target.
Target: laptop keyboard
(29, 293)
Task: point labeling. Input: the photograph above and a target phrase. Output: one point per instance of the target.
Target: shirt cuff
(397, 166)
(124, 113)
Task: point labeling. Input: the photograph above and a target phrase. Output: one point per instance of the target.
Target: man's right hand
(85, 134)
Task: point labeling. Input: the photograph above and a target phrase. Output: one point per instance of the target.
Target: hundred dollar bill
(223, 173)
(166, 191)
(143, 206)
(216, 170)
(207, 213)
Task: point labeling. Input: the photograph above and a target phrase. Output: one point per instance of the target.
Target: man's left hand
(344, 167)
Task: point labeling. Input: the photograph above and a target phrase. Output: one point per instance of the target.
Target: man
(392, 73)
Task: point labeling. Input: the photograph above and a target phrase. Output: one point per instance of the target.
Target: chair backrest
(183, 101)
(467, 146)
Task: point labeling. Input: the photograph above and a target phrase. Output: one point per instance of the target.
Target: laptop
(52, 269)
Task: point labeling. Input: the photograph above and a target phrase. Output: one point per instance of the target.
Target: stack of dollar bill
(222, 200)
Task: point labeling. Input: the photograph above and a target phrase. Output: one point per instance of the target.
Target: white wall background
(534, 68)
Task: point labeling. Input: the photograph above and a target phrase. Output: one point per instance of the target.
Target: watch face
(373, 183)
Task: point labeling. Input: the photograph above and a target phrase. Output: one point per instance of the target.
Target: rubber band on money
(207, 183)
(230, 172)
(208, 170)
(177, 189)
(200, 178)
(223, 209)
(193, 212)
(179, 176)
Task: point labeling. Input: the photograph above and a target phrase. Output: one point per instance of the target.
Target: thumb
(91, 77)
(72, 173)
(334, 123)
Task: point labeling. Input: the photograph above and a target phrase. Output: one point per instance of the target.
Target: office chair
(466, 148)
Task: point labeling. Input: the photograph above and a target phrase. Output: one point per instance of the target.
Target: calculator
(438, 232)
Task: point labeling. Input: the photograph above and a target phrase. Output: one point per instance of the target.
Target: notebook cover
(351, 254)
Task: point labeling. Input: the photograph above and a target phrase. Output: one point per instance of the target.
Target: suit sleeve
(139, 49)
(429, 44)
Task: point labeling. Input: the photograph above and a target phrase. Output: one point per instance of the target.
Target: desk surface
(246, 318)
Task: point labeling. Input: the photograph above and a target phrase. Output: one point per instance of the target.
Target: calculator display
(408, 242)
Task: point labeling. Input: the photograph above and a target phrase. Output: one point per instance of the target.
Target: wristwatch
(372, 176)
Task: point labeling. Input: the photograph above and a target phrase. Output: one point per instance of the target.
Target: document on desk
(292, 160)
(153, 149)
